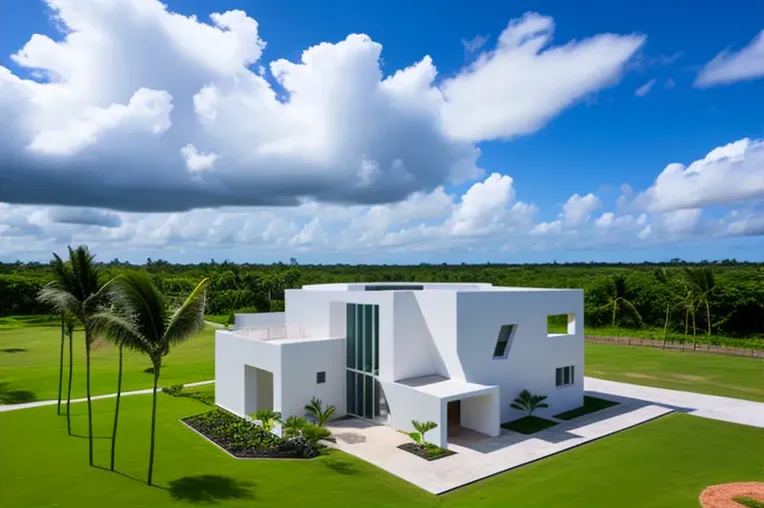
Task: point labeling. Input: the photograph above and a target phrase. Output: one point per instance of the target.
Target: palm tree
(529, 403)
(662, 276)
(422, 428)
(116, 410)
(69, 323)
(320, 414)
(142, 320)
(76, 290)
(292, 427)
(702, 283)
(268, 418)
(617, 291)
(61, 276)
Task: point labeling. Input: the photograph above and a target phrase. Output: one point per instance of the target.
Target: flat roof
(420, 286)
(446, 388)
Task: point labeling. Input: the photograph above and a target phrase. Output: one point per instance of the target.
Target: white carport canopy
(479, 404)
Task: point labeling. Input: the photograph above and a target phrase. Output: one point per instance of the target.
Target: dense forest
(724, 298)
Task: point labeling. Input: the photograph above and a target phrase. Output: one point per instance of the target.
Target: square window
(321, 377)
(564, 376)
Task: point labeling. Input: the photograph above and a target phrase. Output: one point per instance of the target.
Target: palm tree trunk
(687, 321)
(61, 366)
(69, 387)
(708, 317)
(694, 333)
(116, 411)
(665, 327)
(615, 308)
(153, 423)
(90, 407)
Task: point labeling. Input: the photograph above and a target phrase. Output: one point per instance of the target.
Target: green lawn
(29, 364)
(528, 425)
(666, 462)
(728, 376)
(591, 404)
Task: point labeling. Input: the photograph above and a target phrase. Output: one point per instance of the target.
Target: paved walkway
(725, 409)
(479, 456)
(13, 407)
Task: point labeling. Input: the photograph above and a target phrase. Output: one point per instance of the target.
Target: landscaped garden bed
(427, 452)
(245, 439)
(591, 405)
(528, 425)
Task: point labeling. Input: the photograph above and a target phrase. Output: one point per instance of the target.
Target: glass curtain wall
(364, 393)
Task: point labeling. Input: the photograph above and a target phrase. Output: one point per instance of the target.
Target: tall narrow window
(350, 335)
(504, 342)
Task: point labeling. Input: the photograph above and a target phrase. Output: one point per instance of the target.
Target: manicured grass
(728, 376)
(29, 364)
(528, 425)
(591, 404)
(669, 462)
(748, 502)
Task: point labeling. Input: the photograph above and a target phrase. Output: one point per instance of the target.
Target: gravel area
(720, 496)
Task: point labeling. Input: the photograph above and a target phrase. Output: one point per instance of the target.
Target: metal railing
(275, 332)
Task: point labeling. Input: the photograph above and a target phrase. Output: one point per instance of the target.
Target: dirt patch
(688, 377)
(638, 375)
(720, 496)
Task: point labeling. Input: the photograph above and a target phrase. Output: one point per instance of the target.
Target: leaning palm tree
(76, 290)
(617, 291)
(528, 403)
(702, 283)
(116, 409)
(142, 320)
(421, 428)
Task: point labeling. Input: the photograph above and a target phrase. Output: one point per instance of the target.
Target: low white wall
(259, 319)
(407, 404)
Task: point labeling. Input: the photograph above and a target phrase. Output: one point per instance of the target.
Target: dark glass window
(321, 377)
(350, 335)
(502, 343)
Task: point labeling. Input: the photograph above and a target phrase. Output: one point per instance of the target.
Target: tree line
(723, 298)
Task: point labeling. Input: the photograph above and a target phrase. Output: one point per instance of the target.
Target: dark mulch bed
(430, 453)
(246, 440)
(528, 425)
(591, 405)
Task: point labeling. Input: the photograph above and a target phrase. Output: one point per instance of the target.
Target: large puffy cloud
(728, 174)
(728, 67)
(146, 110)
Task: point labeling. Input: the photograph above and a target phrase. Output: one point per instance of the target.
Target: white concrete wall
(414, 352)
(437, 312)
(300, 362)
(258, 319)
(533, 357)
(407, 404)
(482, 413)
(232, 353)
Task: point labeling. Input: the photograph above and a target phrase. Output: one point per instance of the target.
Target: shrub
(313, 433)
(421, 429)
(173, 390)
(293, 426)
(529, 403)
(319, 414)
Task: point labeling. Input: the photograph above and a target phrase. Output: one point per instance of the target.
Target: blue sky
(604, 137)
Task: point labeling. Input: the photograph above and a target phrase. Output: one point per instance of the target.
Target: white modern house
(454, 354)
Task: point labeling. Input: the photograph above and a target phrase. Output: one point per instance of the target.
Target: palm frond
(189, 318)
(84, 270)
(119, 329)
(59, 299)
(134, 294)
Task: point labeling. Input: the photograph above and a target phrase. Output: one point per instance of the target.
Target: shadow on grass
(15, 396)
(81, 436)
(210, 489)
(342, 467)
(149, 370)
(13, 350)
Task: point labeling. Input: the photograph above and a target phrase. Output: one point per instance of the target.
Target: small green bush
(173, 390)
(313, 433)
(748, 502)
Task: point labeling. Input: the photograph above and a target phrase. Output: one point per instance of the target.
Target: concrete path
(13, 407)
(726, 409)
(479, 456)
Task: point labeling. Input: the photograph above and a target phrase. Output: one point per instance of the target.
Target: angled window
(504, 342)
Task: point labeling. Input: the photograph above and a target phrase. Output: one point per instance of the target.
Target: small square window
(565, 376)
(321, 377)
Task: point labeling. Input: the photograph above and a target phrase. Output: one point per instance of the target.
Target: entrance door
(454, 412)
